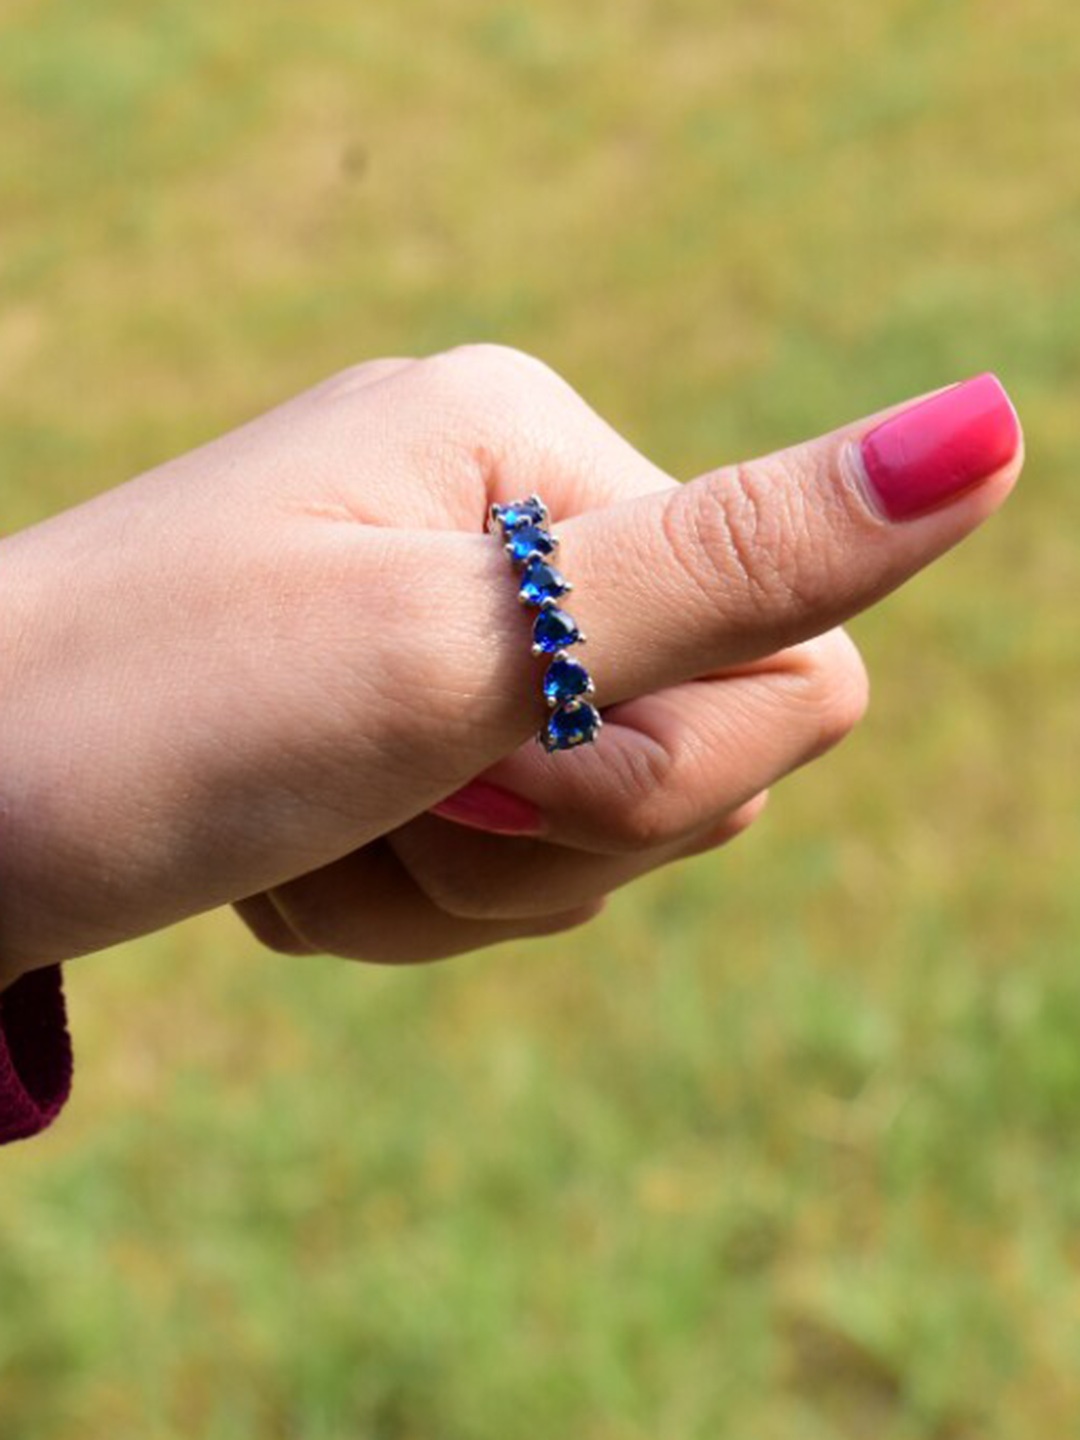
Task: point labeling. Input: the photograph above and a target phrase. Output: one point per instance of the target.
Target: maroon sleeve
(35, 1054)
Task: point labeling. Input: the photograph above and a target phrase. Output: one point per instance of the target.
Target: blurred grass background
(787, 1145)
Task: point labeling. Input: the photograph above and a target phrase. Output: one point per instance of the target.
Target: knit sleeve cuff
(35, 1054)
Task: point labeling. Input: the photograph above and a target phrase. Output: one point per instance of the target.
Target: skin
(245, 676)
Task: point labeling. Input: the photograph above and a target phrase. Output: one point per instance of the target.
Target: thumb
(685, 580)
(746, 560)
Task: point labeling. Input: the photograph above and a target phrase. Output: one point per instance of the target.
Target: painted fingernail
(932, 452)
(489, 807)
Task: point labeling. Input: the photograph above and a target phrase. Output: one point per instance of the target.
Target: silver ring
(523, 528)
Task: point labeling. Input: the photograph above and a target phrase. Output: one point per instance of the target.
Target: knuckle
(837, 688)
(729, 826)
(740, 820)
(715, 529)
(495, 410)
(497, 378)
(744, 536)
(495, 395)
(646, 782)
(638, 827)
(488, 357)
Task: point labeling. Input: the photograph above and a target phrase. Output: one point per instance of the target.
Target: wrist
(9, 973)
(32, 725)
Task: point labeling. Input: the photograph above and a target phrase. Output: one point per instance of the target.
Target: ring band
(522, 526)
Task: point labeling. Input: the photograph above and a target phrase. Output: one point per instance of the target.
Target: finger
(676, 583)
(367, 906)
(728, 828)
(266, 923)
(496, 878)
(668, 762)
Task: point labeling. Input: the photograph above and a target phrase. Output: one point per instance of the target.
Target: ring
(522, 526)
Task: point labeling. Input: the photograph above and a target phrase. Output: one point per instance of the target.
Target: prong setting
(523, 528)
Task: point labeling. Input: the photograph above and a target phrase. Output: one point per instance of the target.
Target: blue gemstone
(540, 582)
(527, 540)
(570, 725)
(521, 512)
(565, 680)
(553, 629)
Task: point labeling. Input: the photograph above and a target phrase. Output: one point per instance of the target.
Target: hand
(247, 675)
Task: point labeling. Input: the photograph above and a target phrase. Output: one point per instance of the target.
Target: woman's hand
(246, 676)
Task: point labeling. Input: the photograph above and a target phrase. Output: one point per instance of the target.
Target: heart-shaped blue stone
(529, 540)
(570, 725)
(554, 629)
(521, 512)
(541, 581)
(565, 680)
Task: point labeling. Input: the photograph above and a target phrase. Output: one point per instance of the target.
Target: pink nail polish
(930, 453)
(489, 807)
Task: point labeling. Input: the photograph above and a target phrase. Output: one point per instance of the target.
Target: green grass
(787, 1144)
